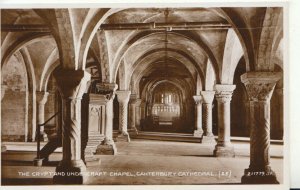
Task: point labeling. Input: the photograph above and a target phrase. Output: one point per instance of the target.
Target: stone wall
(13, 106)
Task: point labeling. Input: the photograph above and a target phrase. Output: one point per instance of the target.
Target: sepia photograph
(143, 95)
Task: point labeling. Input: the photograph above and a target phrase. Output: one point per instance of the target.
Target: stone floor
(145, 162)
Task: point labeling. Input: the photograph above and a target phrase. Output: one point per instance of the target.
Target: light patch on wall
(14, 75)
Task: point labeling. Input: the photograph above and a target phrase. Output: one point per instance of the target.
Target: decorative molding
(95, 109)
(208, 96)
(224, 92)
(107, 89)
(260, 85)
(133, 99)
(197, 99)
(123, 96)
(71, 83)
(138, 102)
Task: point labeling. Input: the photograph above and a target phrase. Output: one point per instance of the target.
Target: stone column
(279, 93)
(208, 97)
(143, 114)
(198, 116)
(224, 148)
(143, 109)
(41, 99)
(260, 87)
(71, 85)
(138, 114)
(107, 91)
(123, 98)
(149, 109)
(132, 113)
(3, 88)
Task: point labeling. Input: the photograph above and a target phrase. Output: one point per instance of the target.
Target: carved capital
(197, 99)
(208, 96)
(98, 99)
(41, 97)
(260, 85)
(224, 92)
(138, 102)
(72, 83)
(107, 89)
(123, 96)
(133, 99)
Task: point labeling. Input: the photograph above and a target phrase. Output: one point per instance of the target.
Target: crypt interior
(142, 90)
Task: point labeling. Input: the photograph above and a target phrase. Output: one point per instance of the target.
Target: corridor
(155, 95)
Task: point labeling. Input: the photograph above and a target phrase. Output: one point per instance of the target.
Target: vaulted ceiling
(140, 44)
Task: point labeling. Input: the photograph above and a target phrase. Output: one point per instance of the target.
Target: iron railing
(38, 156)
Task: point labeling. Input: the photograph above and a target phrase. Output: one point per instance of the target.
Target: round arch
(22, 42)
(141, 35)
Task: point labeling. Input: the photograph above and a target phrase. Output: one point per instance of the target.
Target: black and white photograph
(144, 95)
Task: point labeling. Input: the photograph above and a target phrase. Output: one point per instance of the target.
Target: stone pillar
(3, 88)
(123, 98)
(224, 148)
(132, 113)
(143, 108)
(138, 114)
(41, 99)
(149, 109)
(279, 93)
(208, 97)
(198, 116)
(260, 87)
(71, 85)
(107, 91)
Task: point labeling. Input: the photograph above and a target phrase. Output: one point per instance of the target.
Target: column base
(224, 151)
(38, 162)
(259, 177)
(133, 131)
(90, 160)
(70, 173)
(198, 133)
(123, 137)
(208, 139)
(107, 149)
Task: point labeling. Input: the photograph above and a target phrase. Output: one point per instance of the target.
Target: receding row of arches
(198, 71)
(155, 94)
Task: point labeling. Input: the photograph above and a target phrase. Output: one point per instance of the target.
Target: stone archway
(14, 105)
